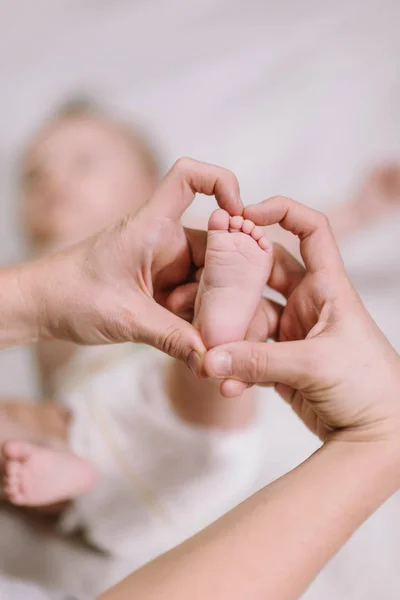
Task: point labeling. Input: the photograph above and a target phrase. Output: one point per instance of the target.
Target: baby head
(82, 171)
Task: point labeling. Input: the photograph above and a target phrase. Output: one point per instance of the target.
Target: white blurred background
(297, 97)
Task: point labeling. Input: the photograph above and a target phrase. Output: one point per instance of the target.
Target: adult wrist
(20, 311)
(381, 453)
(53, 290)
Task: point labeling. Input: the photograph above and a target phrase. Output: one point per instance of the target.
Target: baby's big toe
(219, 220)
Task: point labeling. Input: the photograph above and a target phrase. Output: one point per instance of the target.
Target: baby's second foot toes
(16, 450)
(12, 481)
(12, 469)
(14, 493)
(16, 455)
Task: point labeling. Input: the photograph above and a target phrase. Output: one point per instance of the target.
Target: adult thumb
(261, 363)
(165, 331)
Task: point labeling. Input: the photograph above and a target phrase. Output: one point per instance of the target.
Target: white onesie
(162, 480)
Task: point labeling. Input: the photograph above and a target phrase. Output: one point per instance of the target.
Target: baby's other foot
(36, 475)
(237, 265)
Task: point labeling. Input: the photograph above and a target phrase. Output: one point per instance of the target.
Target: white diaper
(161, 480)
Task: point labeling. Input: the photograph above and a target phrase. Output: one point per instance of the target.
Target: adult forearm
(274, 544)
(42, 298)
(19, 315)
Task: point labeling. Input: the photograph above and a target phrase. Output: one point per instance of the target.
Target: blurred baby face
(80, 175)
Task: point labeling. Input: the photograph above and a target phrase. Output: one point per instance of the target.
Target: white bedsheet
(297, 97)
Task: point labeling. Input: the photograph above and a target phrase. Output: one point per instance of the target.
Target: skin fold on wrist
(19, 320)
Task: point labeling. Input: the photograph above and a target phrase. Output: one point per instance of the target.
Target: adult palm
(323, 319)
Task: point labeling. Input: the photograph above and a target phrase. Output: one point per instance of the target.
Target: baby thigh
(33, 421)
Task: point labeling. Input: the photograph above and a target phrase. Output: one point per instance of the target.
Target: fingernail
(222, 364)
(194, 362)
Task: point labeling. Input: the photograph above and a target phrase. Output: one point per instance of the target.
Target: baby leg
(33, 421)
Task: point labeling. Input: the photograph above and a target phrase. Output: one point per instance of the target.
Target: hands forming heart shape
(125, 283)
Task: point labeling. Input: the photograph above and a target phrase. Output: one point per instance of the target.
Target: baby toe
(12, 469)
(247, 226)
(236, 223)
(265, 244)
(257, 233)
(219, 220)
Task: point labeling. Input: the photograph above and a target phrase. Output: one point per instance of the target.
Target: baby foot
(237, 265)
(37, 475)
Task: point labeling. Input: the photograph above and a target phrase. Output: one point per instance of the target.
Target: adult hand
(111, 287)
(331, 361)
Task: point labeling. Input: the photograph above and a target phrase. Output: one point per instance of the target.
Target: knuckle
(118, 325)
(172, 342)
(118, 321)
(279, 198)
(257, 365)
(323, 220)
(231, 176)
(183, 164)
(233, 181)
